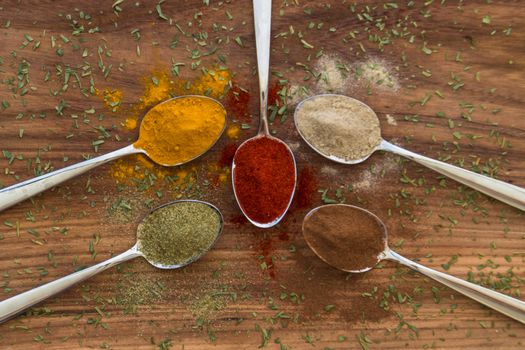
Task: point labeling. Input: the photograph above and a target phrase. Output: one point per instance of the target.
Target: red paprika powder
(264, 178)
(227, 155)
(273, 93)
(237, 102)
(306, 188)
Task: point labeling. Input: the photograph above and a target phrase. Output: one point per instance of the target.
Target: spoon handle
(509, 306)
(262, 17)
(14, 305)
(505, 192)
(14, 194)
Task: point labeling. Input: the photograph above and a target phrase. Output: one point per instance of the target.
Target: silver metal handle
(14, 194)
(505, 192)
(262, 17)
(14, 305)
(509, 306)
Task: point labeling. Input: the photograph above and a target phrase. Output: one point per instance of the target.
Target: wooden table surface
(453, 89)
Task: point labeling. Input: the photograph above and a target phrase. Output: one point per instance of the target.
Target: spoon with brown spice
(172, 236)
(354, 240)
(347, 131)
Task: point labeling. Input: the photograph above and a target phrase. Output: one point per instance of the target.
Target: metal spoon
(14, 194)
(14, 305)
(505, 192)
(262, 15)
(509, 306)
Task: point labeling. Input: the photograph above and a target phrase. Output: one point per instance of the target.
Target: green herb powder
(177, 233)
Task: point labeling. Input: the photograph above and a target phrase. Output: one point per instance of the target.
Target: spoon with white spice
(347, 131)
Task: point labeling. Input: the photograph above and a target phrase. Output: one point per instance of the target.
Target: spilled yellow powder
(137, 167)
(185, 176)
(219, 174)
(233, 131)
(124, 170)
(157, 88)
(224, 176)
(211, 83)
(130, 123)
(113, 99)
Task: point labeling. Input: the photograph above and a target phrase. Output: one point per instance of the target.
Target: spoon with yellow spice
(172, 133)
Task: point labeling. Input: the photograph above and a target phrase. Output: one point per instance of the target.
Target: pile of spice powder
(137, 289)
(181, 129)
(264, 178)
(178, 232)
(113, 99)
(211, 83)
(339, 126)
(344, 236)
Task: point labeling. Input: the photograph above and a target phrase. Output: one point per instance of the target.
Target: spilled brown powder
(344, 236)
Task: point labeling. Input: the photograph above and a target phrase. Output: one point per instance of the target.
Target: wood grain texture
(423, 211)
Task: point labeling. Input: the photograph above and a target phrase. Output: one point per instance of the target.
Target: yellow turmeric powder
(180, 129)
(212, 83)
(233, 131)
(113, 99)
(159, 87)
(137, 167)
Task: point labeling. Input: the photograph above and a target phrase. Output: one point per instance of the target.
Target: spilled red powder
(237, 102)
(227, 154)
(306, 188)
(273, 93)
(239, 220)
(265, 248)
(283, 236)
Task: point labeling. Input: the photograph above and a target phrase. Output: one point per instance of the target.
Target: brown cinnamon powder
(344, 236)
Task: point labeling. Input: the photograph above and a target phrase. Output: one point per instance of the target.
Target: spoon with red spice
(354, 240)
(264, 173)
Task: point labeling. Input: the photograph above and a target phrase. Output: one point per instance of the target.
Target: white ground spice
(339, 126)
(376, 73)
(340, 76)
(333, 78)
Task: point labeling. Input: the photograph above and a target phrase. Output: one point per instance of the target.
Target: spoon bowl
(505, 192)
(325, 254)
(315, 148)
(234, 172)
(195, 257)
(14, 305)
(330, 243)
(151, 114)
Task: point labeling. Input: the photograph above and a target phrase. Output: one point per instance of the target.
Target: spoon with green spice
(347, 131)
(354, 240)
(170, 237)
